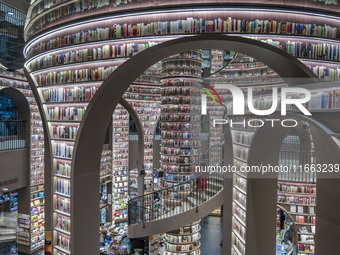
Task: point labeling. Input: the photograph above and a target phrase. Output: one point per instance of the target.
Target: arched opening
(297, 190)
(86, 157)
(303, 146)
(14, 115)
(15, 141)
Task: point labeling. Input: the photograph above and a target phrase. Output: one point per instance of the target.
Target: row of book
(10, 74)
(246, 72)
(64, 223)
(77, 75)
(241, 248)
(144, 90)
(240, 197)
(327, 73)
(176, 168)
(195, 252)
(180, 126)
(296, 188)
(305, 219)
(63, 242)
(242, 138)
(183, 247)
(179, 135)
(241, 153)
(181, 108)
(53, 15)
(121, 115)
(150, 110)
(240, 183)
(82, 55)
(180, 91)
(188, 26)
(180, 100)
(68, 113)
(239, 228)
(177, 72)
(63, 150)
(130, 96)
(179, 82)
(177, 160)
(73, 7)
(180, 143)
(42, 5)
(64, 132)
(37, 166)
(323, 50)
(14, 84)
(171, 62)
(35, 138)
(166, 117)
(148, 118)
(37, 174)
(148, 79)
(240, 213)
(63, 204)
(183, 239)
(249, 65)
(63, 168)
(64, 186)
(37, 160)
(118, 135)
(291, 199)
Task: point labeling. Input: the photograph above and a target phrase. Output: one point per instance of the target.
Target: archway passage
(262, 201)
(15, 136)
(88, 145)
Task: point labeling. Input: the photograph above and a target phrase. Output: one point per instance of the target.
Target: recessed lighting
(10, 13)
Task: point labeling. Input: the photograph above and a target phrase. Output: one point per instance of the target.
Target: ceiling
(19, 4)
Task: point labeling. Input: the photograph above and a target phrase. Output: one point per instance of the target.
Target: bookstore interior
(143, 121)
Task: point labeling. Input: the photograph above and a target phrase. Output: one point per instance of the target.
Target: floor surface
(11, 249)
(211, 235)
(211, 238)
(8, 224)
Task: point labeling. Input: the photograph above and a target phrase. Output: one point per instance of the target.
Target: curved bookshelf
(52, 16)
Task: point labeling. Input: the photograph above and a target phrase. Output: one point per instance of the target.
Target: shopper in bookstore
(152, 77)
(202, 181)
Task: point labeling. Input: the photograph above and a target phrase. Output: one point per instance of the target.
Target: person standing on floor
(202, 176)
(103, 232)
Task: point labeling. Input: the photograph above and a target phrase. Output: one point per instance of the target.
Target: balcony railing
(191, 194)
(12, 134)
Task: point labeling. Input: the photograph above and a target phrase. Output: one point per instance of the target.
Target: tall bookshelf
(106, 186)
(296, 192)
(299, 201)
(65, 96)
(180, 133)
(184, 241)
(144, 95)
(239, 210)
(120, 163)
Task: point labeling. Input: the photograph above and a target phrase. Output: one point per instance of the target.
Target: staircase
(156, 212)
(7, 234)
